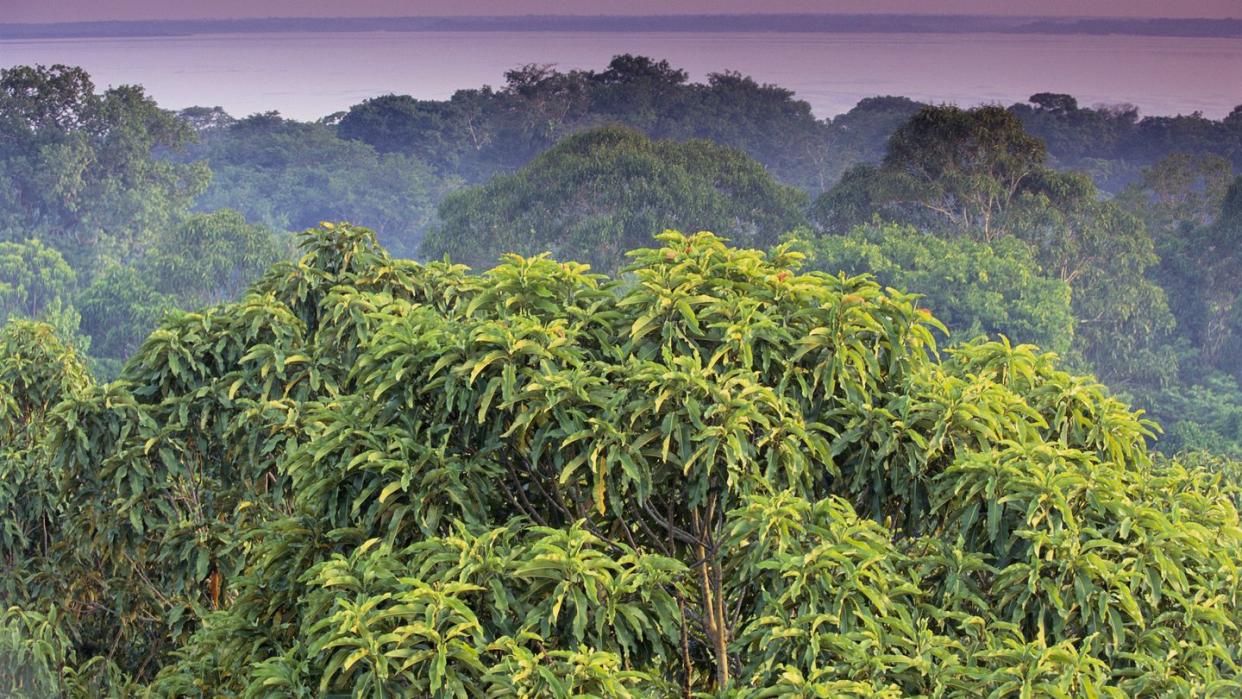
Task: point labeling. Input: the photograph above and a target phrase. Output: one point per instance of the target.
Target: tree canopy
(600, 193)
(291, 175)
(78, 169)
(482, 132)
(717, 475)
(972, 287)
(977, 174)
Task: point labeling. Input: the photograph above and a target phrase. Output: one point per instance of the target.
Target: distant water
(310, 75)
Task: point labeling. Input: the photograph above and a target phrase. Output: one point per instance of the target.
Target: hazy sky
(70, 10)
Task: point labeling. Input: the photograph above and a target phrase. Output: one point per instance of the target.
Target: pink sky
(74, 10)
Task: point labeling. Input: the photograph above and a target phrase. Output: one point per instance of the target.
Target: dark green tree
(290, 175)
(600, 193)
(977, 174)
(79, 169)
(119, 309)
(973, 288)
(211, 258)
(36, 283)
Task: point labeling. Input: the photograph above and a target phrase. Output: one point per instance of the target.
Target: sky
(89, 10)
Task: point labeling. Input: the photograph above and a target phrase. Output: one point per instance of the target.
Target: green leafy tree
(973, 288)
(37, 283)
(861, 134)
(714, 475)
(290, 175)
(977, 174)
(79, 169)
(479, 133)
(119, 309)
(948, 169)
(600, 193)
(211, 258)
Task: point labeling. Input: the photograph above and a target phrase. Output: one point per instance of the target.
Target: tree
(1221, 250)
(37, 372)
(974, 288)
(119, 309)
(480, 133)
(601, 192)
(1180, 188)
(1182, 200)
(1107, 257)
(80, 171)
(36, 283)
(947, 168)
(211, 258)
(1054, 102)
(206, 119)
(976, 173)
(861, 135)
(290, 176)
(716, 475)
(434, 132)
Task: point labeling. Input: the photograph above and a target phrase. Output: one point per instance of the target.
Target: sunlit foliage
(717, 475)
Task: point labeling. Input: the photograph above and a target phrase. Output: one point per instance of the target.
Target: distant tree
(861, 134)
(1106, 255)
(33, 278)
(768, 122)
(1220, 248)
(1179, 189)
(1234, 119)
(291, 175)
(36, 283)
(478, 133)
(78, 169)
(602, 192)
(206, 118)
(211, 258)
(973, 288)
(950, 169)
(628, 68)
(976, 173)
(1054, 102)
(119, 309)
(434, 132)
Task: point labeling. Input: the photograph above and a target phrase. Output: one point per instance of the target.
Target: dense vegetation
(97, 235)
(820, 455)
(717, 475)
(600, 193)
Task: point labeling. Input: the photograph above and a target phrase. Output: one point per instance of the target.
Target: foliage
(977, 174)
(291, 175)
(602, 192)
(479, 133)
(119, 308)
(973, 288)
(37, 283)
(716, 476)
(211, 258)
(79, 170)
(1115, 145)
(710, 475)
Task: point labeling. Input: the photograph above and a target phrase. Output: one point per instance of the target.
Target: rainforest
(611, 383)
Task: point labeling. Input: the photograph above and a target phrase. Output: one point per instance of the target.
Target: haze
(90, 10)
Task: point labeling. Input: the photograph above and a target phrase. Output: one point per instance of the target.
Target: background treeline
(114, 211)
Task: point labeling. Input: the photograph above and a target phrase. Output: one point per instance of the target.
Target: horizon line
(604, 15)
(775, 23)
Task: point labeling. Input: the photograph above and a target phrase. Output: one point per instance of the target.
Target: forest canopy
(727, 477)
(603, 192)
(947, 404)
